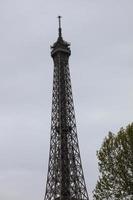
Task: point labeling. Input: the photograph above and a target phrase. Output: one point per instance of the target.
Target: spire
(60, 30)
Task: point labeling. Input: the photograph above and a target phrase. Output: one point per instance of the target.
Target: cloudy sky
(101, 64)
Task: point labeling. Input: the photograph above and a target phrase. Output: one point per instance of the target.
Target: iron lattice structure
(65, 180)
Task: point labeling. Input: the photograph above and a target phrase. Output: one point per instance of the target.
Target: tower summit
(65, 179)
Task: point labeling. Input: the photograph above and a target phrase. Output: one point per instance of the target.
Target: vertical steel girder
(65, 179)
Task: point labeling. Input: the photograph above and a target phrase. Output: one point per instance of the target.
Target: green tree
(116, 166)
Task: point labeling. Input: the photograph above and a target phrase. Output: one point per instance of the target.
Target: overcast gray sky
(101, 64)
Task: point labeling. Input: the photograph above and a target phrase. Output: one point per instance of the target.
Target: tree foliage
(116, 167)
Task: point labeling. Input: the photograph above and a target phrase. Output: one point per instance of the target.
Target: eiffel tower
(65, 179)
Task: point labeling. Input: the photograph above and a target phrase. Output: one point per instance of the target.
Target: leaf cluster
(116, 166)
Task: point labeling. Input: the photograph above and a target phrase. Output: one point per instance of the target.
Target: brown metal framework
(65, 179)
